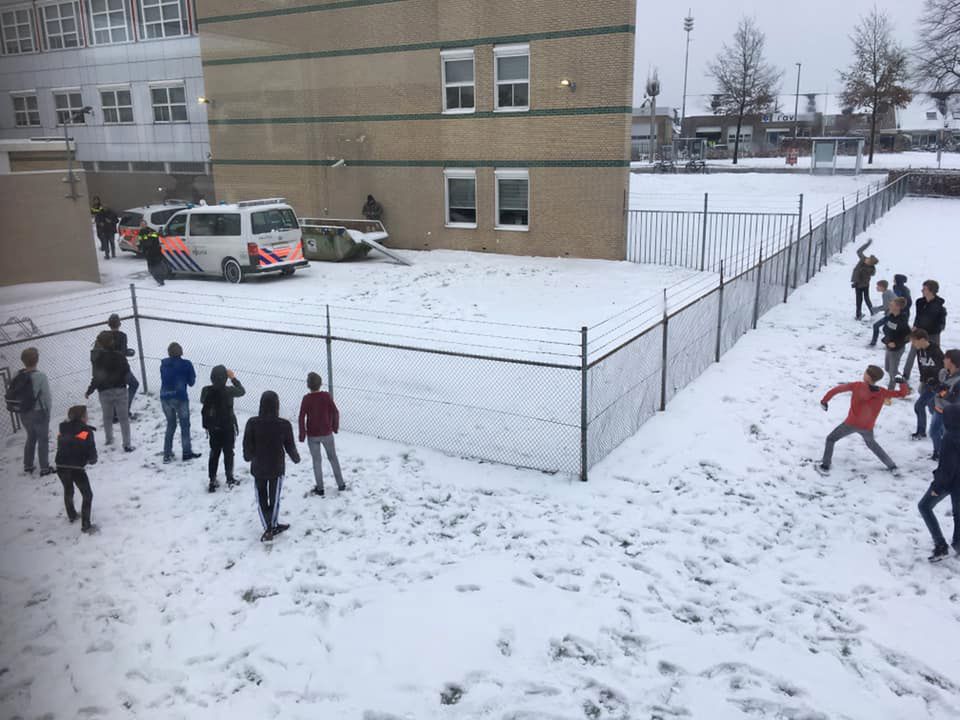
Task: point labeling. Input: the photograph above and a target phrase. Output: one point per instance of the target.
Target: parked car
(156, 216)
(234, 240)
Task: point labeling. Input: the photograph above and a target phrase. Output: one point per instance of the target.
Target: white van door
(173, 242)
(214, 237)
(277, 232)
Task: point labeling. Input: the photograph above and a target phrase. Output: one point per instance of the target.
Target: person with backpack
(110, 370)
(76, 448)
(216, 412)
(121, 344)
(267, 439)
(865, 269)
(319, 422)
(930, 363)
(176, 375)
(28, 395)
(946, 483)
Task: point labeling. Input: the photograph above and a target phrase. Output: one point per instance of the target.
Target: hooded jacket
(931, 315)
(948, 391)
(76, 447)
(110, 370)
(267, 439)
(866, 403)
(896, 330)
(221, 397)
(862, 271)
(176, 374)
(946, 478)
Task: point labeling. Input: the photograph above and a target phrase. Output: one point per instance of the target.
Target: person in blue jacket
(176, 375)
(946, 484)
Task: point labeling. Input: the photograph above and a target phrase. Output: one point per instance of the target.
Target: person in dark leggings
(216, 401)
(946, 483)
(860, 278)
(76, 449)
(267, 440)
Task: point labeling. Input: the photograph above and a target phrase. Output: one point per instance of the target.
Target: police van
(234, 240)
(156, 216)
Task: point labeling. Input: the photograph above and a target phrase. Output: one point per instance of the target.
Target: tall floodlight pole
(688, 28)
(796, 107)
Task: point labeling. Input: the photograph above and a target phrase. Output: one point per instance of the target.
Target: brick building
(501, 125)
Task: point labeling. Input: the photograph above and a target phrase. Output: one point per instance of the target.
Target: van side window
(215, 225)
(161, 216)
(178, 225)
(276, 219)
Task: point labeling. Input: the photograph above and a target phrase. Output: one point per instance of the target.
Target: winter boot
(939, 553)
(267, 535)
(318, 491)
(279, 528)
(918, 436)
(167, 459)
(212, 487)
(232, 481)
(191, 456)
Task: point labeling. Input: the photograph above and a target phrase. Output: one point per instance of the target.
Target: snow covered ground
(705, 571)
(882, 161)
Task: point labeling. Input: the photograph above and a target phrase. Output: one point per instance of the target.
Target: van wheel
(232, 272)
(287, 272)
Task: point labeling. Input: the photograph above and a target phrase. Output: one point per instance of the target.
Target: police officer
(149, 243)
(106, 223)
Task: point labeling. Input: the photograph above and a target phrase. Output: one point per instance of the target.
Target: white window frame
(167, 86)
(14, 96)
(116, 107)
(459, 174)
(31, 29)
(72, 110)
(110, 29)
(145, 24)
(503, 51)
(454, 55)
(62, 36)
(511, 174)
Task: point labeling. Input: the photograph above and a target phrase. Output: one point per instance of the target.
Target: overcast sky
(814, 33)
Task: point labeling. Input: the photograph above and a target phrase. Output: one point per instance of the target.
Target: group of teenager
(267, 441)
(938, 394)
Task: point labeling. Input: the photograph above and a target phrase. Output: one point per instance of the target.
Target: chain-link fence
(552, 399)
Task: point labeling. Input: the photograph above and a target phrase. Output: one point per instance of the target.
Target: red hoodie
(318, 415)
(867, 402)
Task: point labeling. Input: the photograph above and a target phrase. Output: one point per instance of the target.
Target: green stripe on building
(437, 45)
(344, 4)
(431, 163)
(323, 119)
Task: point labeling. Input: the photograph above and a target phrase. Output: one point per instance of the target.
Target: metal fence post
(826, 229)
(329, 355)
(720, 313)
(856, 216)
(583, 404)
(843, 224)
(703, 238)
(756, 297)
(786, 276)
(796, 264)
(136, 324)
(810, 248)
(663, 372)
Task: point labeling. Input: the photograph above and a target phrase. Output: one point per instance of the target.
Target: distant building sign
(784, 117)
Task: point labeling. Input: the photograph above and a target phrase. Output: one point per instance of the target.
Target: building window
(17, 27)
(69, 104)
(109, 21)
(512, 77)
(117, 105)
(163, 18)
(169, 103)
(25, 111)
(513, 199)
(61, 28)
(461, 198)
(458, 81)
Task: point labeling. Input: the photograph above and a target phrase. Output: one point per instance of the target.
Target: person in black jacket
(76, 448)
(930, 363)
(865, 269)
(900, 289)
(110, 370)
(216, 412)
(946, 481)
(931, 315)
(896, 332)
(106, 221)
(149, 243)
(120, 343)
(267, 439)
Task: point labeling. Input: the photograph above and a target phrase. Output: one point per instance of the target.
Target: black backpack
(211, 411)
(19, 395)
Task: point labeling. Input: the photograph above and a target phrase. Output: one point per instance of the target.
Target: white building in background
(136, 63)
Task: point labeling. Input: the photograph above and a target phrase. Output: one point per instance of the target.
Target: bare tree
(937, 54)
(875, 79)
(746, 82)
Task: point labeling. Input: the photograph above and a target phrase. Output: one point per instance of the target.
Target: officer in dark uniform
(149, 243)
(106, 221)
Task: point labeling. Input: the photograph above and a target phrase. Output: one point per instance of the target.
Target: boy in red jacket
(865, 406)
(319, 421)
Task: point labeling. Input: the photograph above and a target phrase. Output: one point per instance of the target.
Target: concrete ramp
(373, 240)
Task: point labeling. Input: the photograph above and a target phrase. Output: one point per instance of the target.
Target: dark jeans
(268, 498)
(221, 441)
(176, 410)
(920, 407)
(37, 424)
(108, 245)
(863, 296)
(927, 503)
(876, 329)
(70, 478)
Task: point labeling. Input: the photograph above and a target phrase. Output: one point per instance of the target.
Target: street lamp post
(688, 28)
(796, 107)
(69, 120)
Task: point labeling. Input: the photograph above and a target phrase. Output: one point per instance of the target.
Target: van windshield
(265, 221)
(131, 219)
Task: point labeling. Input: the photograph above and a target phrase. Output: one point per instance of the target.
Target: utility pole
(796, 107)
(688, 28)
(653, 90)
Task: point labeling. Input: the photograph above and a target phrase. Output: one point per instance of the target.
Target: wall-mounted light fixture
(204, 100)
(568, 83)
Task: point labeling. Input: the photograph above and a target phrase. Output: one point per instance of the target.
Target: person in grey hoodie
(948, 393)
(36, 420)
(865, 269)
(883, 287)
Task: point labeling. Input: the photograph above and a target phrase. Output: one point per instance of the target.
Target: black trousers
(70, 478)
(158, 271)
(268, 497)
(221, 441)
(863, 296)
(108, 245)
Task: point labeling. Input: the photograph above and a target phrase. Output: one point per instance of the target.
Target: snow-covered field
(706, 571)
(881, 161)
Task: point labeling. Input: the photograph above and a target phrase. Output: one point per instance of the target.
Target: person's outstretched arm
(862, 248)
(847, 387)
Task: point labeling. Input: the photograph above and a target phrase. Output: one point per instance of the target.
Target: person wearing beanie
(267, 440)
(865, 407)
(865, 269)
(930, 363)
(176, 375)
(888, 296)
(896, 332)
(319, 422)
(216, 411)
(76, 448)
(947, 393)
(900, 289)
(931, 315)
(946, 482)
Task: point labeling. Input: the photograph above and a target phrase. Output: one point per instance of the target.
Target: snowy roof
(922, 114)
